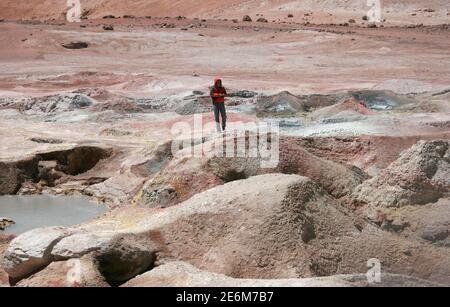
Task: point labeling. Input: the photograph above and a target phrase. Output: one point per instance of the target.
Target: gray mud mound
(382, 100)
(48, 104)
(63, 103)
(281, 104)
(287, 104)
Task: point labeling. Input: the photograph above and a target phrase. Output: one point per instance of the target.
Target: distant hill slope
(48, 9)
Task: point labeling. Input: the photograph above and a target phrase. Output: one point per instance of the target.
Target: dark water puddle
(31, 212)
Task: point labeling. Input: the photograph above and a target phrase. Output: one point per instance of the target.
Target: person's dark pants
(219, 111)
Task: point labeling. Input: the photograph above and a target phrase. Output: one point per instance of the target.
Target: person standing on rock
(218, 94)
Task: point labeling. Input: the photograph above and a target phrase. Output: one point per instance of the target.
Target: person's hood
(217, 79)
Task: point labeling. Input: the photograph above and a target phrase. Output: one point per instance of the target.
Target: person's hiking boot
(219, 130)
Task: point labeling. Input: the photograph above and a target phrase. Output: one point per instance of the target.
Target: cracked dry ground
(363, 172)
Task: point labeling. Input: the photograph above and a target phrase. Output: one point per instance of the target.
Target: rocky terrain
(362, 146)
(5, 223)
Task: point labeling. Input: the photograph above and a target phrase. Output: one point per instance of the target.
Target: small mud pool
(29, 212)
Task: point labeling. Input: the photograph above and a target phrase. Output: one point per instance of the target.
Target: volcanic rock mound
(183, 177)
(49, 167)
(268, 226)
(338, 179)
(280, 226)
(421, 175)
(429, 222)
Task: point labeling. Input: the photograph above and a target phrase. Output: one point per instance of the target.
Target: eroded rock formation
(268, 226)
(421, 175)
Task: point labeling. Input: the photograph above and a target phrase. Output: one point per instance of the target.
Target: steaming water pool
(31, 212)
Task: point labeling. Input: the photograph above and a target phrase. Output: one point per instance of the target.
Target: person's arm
(215, 94)
(221, 93)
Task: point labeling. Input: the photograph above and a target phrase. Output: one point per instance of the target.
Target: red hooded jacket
(218, 93)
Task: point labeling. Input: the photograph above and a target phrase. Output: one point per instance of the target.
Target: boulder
(5, 223)
(117, 258)
(247, 18)
(81, 272)
(80, 244)
(125, 257)
(75, 45)
(4, 278)
(31, 251)
(5, 239)
(14, 173)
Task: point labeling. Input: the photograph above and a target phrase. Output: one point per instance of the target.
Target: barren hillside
(433, 11)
